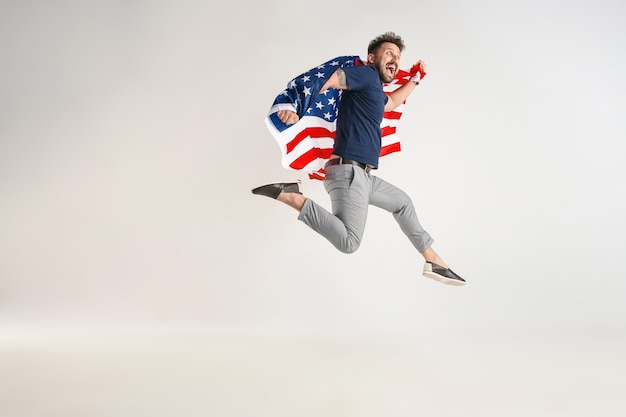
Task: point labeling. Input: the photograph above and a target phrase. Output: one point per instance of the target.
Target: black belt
(338, 161)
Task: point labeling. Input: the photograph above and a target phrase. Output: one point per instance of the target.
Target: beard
(384, 75)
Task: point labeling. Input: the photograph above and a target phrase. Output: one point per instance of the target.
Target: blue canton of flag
(303, 95)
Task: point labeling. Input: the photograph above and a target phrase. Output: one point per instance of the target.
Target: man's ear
(370, 58)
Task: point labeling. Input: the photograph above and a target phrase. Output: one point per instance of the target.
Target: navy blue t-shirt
(361, 112)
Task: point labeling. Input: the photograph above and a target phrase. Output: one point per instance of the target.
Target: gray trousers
(351, 191)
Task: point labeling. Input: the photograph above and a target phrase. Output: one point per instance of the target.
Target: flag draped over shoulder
(308, 144)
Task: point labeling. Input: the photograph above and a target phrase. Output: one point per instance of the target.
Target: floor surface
(204, 373)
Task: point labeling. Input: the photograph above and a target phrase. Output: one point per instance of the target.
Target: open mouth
(391, 69)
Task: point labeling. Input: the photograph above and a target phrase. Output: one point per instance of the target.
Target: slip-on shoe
(274, 189)
(441, 274)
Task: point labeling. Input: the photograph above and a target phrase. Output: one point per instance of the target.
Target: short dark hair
(385, 37)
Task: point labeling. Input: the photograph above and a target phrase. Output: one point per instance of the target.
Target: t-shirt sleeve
(360, 77)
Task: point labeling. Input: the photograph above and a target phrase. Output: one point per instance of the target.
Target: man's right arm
(336, 80)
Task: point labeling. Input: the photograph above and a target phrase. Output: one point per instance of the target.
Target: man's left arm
(398, 96)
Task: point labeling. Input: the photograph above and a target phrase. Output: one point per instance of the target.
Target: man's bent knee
(349, 246)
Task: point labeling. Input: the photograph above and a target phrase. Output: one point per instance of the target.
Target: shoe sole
(443, 280)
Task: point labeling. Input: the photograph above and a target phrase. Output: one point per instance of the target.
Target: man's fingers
(287, 116)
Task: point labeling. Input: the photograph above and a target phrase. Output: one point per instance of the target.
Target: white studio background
(131, 134)
(140, 277)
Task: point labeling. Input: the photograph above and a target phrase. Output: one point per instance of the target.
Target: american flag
(308, 144)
